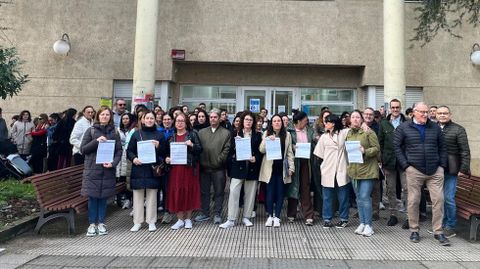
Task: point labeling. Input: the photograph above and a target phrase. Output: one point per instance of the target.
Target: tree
(444, 15)
(11, 77)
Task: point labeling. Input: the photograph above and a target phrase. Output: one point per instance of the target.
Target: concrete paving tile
(306, 263)
(440, 265)
(36, 266)
(131, 262)
(8, 266)
(170, 262)
(470, 265)
(53, 260)
(211, 263)
(91, 261)
(239, 263)
(357, 264)
(13, 258)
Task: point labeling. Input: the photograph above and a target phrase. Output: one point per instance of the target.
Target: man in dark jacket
(215, 141)
(369, 119)
(420, 150)
(458, 165)
(3, 128)
(389, 161)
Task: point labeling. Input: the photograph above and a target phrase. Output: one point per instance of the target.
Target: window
(337, 100)
(212, 96)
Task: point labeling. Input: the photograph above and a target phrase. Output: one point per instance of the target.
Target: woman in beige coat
(276, 173)
(331, 148)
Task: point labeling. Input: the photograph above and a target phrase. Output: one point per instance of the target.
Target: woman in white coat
(76, 137)
(276, 173)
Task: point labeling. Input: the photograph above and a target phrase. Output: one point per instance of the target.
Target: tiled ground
(290, 241)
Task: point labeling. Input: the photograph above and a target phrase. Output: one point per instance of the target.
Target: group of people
(426, 148)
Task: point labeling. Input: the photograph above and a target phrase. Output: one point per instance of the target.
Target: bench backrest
(468, 189)
(57, 185)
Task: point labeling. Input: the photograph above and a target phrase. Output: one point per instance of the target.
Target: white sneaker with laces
(276, 222)
(179, 224)
(254, 214)
(126, 204)
(92, 230)
(152, 227)
(227, 224)
(360, 229)
(102, 229)
(368, 231)
(188, 224)
(247, 222)
(136, 228)
(382, 206)
(269, 222)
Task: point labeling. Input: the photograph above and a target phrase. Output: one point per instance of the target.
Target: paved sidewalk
(293, 245)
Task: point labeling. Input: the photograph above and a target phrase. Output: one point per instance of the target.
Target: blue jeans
(97, 208)
(275, 196)
(363, 190)
(343, 201)
(450, 208)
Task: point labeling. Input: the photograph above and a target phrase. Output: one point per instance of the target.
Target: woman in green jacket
(363, 174)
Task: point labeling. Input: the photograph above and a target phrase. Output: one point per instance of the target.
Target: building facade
(238, 55)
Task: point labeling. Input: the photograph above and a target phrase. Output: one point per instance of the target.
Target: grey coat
(98, 181)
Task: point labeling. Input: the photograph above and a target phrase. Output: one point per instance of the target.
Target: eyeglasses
(121, 104)
(180, 121)
(443, 113)
(422, 111)
(247, 119)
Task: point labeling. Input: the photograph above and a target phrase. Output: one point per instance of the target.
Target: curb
(19, 227)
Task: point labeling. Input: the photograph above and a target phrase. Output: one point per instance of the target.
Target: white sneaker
(136, 228)
(368, 231)
(131, 213)
(152, 227)
(360, 229)
(188, 224)
(247, 222)
(126, 204)
(276, 222)
(382, 206)
(102, 229)
(92, 230)
(227, 224)
(179, 224)
(254, 214)
(269, 222)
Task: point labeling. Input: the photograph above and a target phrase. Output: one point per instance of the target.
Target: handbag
(161, 169)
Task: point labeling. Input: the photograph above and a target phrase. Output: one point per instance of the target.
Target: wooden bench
(468, 202)
(58, 194)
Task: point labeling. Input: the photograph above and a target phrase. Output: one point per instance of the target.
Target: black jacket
(245, 169)
(98, 181)
(142, 175)
(426, 156)
(193, 153)
(386, 134)
(457, 148)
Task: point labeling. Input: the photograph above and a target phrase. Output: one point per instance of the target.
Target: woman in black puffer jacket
(99, 179)
(142, 178)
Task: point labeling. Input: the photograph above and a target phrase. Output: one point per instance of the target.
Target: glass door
(253, 99)
(282, 100)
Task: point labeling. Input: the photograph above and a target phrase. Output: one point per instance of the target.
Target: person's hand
(365, 127)
(252, 159)
(102, 139)
(167, 160)
(362, 149)
(409, 169)
(189, 143)
(290, 173)
(272, 137)
(156, 143)
(136, 161)
(108, 165)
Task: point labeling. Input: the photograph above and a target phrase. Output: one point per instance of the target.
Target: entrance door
(275, 100)
(282, 100)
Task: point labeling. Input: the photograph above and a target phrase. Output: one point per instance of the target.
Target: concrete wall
(269, 34)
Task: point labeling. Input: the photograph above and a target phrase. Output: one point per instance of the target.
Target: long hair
(282, 133)
(131, 124)
(337, 122)
(242, 119)
(29, 115)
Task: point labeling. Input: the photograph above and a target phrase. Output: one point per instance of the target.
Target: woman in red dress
(183, 191)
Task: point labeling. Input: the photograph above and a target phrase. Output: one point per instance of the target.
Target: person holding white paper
(99, 179)
(183, 189)
(276, 173)
(299, 189)
(363, 174)
(142, 178)
(244, 172)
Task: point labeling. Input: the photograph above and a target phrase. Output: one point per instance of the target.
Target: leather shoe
(442, 239)
(415, 237)
(392, 221)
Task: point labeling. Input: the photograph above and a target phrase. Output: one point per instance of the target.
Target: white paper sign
(105, 152)
(243, 148)
(178, 153)
(302, 150)
(146, 151)
(353, 152)
(273, 148)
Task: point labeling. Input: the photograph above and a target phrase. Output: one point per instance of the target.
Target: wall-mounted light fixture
(62, 46)
(475, 54)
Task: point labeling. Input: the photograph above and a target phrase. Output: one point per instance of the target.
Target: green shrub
(14, 189)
